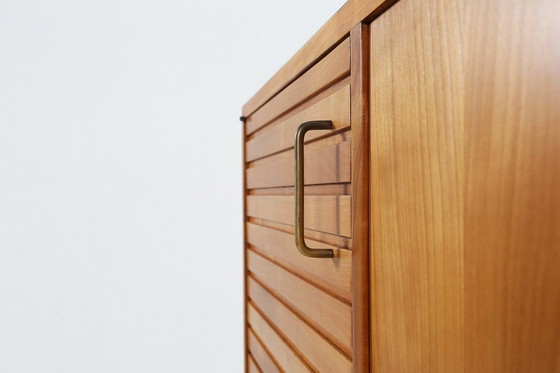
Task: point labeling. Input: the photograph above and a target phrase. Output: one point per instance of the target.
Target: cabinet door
(299, 312)
(465, 186)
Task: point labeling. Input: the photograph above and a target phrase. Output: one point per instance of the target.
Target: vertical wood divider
(359, 116)
(245, 292)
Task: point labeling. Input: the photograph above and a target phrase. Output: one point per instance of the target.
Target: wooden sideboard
(433, 197)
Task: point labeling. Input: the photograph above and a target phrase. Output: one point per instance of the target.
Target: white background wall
(120, 177)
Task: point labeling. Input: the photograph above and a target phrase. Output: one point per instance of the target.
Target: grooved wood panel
(330, 316)
(317, 352)
(252, 366)
(285, 355)
(352, 13)
(333, 67)
(326, 238)
(417, 188)
(465, 198)
(330, 214)
(325, 165)
(263, 359)
(334, 274)
(280, 136)
(309, 190)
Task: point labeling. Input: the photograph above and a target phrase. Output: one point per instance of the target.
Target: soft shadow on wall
(120, 188)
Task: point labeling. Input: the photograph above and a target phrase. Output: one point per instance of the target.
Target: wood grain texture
(326, 72)
(309, 190)
(331, 317)
(417, 188)
(333, 276)
(512, 207)
(465, 193)
(336, 29)
(287, 358)
(322, 237)
(280, 136)
(324, 165)
(262, 357)
(317, 352)
(359, 80)
(330, 214)
(246, 365)
(252, 367)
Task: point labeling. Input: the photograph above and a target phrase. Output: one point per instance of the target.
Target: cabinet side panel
(417, 188)
(512, 226)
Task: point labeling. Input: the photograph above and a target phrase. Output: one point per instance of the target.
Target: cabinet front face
(299, 308)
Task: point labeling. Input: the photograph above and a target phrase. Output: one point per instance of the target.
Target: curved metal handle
(300, 239)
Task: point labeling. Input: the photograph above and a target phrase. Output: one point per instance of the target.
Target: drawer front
(299, 309)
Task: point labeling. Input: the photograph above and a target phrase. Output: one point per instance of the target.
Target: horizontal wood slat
(328, 165)
(331, 317)
(309, 190)
(252, 366)
(288, 359)
(333, 67)
(317, 351)
(332, 274)
(330, 214)
(280, 136)
(262, 357)
(326, 238)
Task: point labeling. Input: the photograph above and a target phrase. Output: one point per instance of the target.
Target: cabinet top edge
(323, 41)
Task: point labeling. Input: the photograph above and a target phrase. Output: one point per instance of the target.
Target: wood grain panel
(325, 165)
(330, 214)
(332, 68)
(280, 136)
(334, 275)
(309, 190)
(512, 223)
(337, 28)
(286, 357)
(465, 186)
(261, 355)
(326, 238)
(329, 316)
(359, 50)
(319, 354)
(252, 367)
(417, 188)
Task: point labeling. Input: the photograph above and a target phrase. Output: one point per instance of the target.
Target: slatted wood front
(299, 309)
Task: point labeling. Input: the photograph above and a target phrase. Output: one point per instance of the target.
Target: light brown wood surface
(512, 195)
(326, 72)
(417, 176)
(315, 349)
(309, 190)
(337, 28)
(333, 276)
(252, 367)
(280, 136)
(287, 358)
(330, 316)
(359, 51)
(330, 214)
(261, 356)
(465, 187)
(325, 238)
(325, 165)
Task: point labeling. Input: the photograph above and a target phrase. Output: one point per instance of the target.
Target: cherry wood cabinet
(435, 190)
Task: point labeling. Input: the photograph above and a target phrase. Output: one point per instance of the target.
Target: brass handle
(300, 239)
